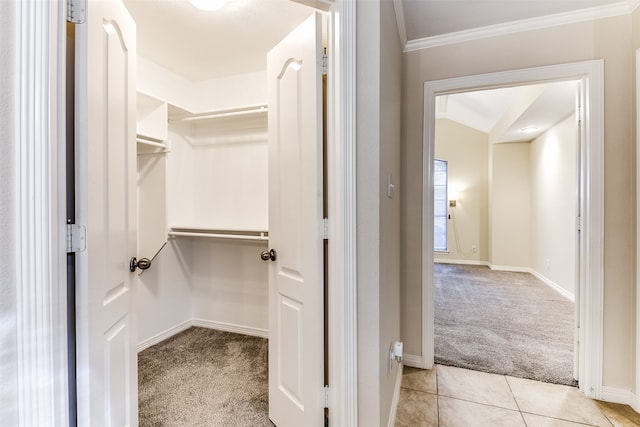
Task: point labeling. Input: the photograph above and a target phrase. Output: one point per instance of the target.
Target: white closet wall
(211, 180)
(217, 176)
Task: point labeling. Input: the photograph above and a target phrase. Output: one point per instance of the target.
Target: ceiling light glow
(529, 129)
(208, 5)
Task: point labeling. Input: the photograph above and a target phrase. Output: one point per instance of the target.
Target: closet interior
(202, 200)
(203, 216)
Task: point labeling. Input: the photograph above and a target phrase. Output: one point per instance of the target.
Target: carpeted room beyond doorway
(204, 378)
(502, 322)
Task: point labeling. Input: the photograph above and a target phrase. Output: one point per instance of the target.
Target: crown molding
(590, 14)
(402, 27)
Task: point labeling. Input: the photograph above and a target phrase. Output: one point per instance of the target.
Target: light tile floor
(456, 397)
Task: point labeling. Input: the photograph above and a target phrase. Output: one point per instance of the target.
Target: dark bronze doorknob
(142, 264)
(269, 255)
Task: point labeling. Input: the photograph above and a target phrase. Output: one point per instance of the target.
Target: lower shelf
(213, 233)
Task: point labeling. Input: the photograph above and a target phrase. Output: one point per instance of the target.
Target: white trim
(618, 395)
(202, 323)
(562, 291)
(158, 338)
(231, 327)
(590, 305)
(402, 26)
(412, 360)
(42, 387)
(509, 268)
(460, 261)
(396, 398)
(553, 285)
(343, 339)
(582, 15)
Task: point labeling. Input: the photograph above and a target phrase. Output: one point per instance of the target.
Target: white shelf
(151, 142)
(219, 233)
(221, 114)
(151, 118)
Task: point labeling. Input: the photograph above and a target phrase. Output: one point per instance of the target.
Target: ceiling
(429, 18)
(199, 45)
(504, 113)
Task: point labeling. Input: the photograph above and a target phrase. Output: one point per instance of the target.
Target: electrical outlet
(474, 249)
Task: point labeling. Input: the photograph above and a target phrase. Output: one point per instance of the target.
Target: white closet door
(106, 165)
(295, 224)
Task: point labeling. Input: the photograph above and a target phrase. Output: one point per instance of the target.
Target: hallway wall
(606, 38)
(379, 73)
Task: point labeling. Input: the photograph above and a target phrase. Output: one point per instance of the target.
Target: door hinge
(76, 238)
(325, 60)
(579, 223)
(326, 396)
(76, 11)
(325, 228)
(579, 113)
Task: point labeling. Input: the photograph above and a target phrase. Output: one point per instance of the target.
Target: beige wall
(553, 204)
(609, 39)
(379, 74)
(510, 207)
(466, 150)
(635, 46)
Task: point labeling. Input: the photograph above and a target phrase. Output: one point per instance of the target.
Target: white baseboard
(460, 261)
(510, 268)
(619, 395)
(412, 360)
(164, 335)
(230, 327)
(396, 397)
(210, 324)
(559, 289)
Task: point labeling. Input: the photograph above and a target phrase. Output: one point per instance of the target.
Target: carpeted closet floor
(204, 377)
(502, 322)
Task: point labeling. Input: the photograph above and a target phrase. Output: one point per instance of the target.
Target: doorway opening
(203, 155)
(505, 235)
(588, 291)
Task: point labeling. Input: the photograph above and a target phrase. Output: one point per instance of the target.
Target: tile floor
(456, 397)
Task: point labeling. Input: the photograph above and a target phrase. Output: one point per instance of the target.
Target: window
(440, 178)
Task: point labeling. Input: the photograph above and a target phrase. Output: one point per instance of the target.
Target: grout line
(512, 393)
(515, 400)
(562, 419)
(480, 403)
(419, 391)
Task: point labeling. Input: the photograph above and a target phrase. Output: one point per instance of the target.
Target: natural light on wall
(209, 5)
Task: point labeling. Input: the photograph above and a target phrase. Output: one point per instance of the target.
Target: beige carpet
(203, 377)
(502, 322)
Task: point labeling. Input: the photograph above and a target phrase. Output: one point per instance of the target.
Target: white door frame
(40, 287)
(45, 58)
(591, 73)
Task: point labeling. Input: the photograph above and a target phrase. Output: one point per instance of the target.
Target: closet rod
(223, 113)
(261, 237)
